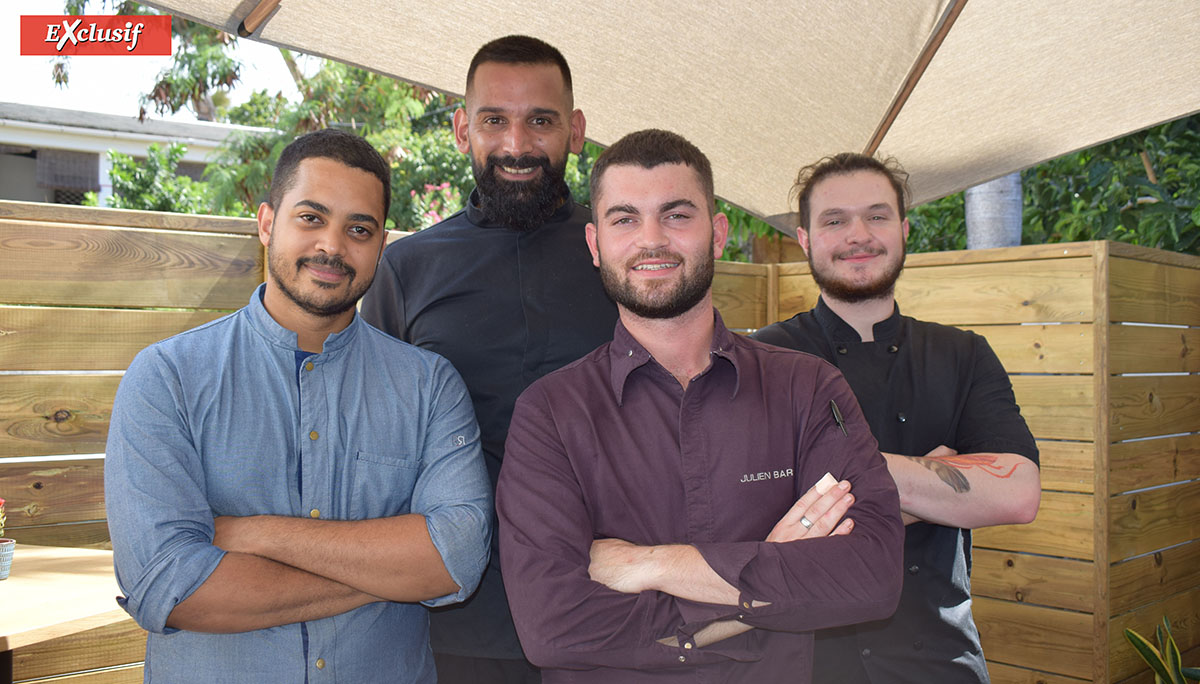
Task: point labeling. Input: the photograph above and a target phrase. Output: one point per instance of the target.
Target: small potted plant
(6, 547)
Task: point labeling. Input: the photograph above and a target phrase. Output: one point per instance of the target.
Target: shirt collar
(476, 216)
(841, 331)
(276, 334)
(626, 354)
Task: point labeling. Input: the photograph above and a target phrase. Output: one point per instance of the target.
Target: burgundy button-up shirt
(611, 446)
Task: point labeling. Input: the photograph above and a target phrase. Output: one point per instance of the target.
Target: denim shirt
(218, 421)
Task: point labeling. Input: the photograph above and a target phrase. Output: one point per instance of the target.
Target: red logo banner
(132, 34)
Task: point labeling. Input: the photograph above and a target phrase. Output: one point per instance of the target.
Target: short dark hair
(648, 149)
(330, 143)
(518, 49)
(842, 164)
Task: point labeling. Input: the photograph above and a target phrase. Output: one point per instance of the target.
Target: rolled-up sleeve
(563, 617)
(830, 581)
(159, 519)
(453, 491)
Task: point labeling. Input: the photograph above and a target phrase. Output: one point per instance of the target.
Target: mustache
(525, 161)
(332, 263)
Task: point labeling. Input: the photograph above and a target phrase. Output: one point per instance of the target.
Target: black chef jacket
(505, 307)
(920, 385)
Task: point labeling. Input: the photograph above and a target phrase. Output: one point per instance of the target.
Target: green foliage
(1101, 193)
(1165, 661)
(743, 228)
(153, 185)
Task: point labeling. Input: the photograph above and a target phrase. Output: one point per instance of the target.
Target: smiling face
(323, 242)
(518, 127)
(855, 240)
(654, 239)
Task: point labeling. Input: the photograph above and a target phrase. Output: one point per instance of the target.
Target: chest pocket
(382, 485)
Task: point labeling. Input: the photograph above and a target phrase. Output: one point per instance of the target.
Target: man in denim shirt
(286, 485)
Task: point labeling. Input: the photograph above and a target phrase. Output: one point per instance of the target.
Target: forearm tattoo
(949, 468)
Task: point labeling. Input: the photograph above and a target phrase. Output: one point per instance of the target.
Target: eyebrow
(621, 209)
(360, 218)
(536, 111)
(675, 204)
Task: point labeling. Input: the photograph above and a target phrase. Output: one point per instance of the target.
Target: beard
(311, 303)
(850, 292)
(520, 205)
(660, 300)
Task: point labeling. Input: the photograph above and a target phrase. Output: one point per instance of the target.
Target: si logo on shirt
(460, 440)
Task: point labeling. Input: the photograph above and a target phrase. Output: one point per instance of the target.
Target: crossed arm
(293, 569)
(966, 490)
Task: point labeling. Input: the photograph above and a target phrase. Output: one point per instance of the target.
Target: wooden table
(54, 592)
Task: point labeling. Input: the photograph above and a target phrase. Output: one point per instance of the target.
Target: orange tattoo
(986, 462)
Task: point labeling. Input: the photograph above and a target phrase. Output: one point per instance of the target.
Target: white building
(55, 155)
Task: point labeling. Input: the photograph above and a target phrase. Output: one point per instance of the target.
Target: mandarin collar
(840, 331)
(270, 329)
(626, 354)
(477, 218)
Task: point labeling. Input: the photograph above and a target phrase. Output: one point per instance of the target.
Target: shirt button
(682, 659)
(313, 435)
(309, 366)
(866, 653)
(314, 513)
(913, 569)
(899, 416)
(687, 645)
(842, 350)
(746, 604)
(631, 352)
(320, 663)
(892, 349)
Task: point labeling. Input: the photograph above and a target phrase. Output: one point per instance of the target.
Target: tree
(1142, 188)
(154, 185)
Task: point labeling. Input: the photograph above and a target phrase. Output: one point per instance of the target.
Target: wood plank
(59, 264)
(131, 674)
(56, 592)
(87, 535)
(1040, 348)
(740, 295)
(1028, 578)
(1048, 639)
(103, 216)
(1001, 673)
(1162, 256)
(1067, 466)
(55, 414)
(1154, 577)
(53, 492)
(1061, 250)
(1063, 528)
(1057, 406)
(1153, 462)
(121, 643)
(56, 338)
(1149, 349)
(797, 293)
(985, 293)
(1152, 405)
(1153, 519)
(1146, 292)
(1183, 612)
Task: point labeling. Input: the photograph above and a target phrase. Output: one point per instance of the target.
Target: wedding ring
(806, 522)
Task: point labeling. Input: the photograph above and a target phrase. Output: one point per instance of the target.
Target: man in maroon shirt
(659, 519)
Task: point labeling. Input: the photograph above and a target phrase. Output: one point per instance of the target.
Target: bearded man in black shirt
(505, 289)
(939, 403)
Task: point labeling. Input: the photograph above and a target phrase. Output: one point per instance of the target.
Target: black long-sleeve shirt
(505, 307)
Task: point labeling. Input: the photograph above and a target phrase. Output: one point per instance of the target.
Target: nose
(331, 240)
(857, 231)
(651, 235)
(517, 140)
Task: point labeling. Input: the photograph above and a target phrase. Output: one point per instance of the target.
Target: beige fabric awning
(766, 87)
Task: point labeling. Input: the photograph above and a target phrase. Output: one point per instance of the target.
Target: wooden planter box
(1102, 341)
